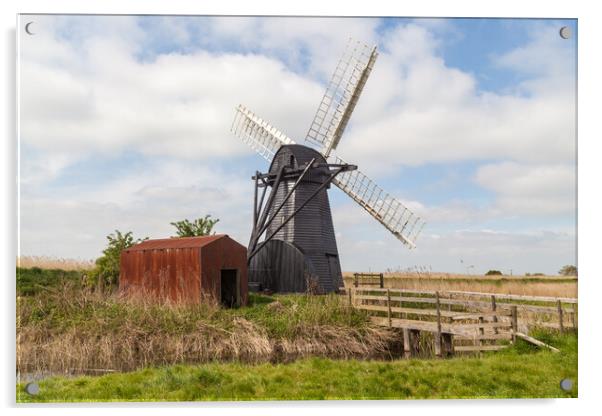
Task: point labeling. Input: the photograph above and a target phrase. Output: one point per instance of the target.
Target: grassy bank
(70, 328)
(521, 371)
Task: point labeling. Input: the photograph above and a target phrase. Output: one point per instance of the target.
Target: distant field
(558, 286)
(518, 372)
(45, 262)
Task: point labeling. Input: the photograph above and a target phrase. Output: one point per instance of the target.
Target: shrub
(568, 270)
(493, 273)
(197, 228)
(106, 271)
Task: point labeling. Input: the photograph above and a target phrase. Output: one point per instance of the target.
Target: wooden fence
(463, 321)
(364, 279)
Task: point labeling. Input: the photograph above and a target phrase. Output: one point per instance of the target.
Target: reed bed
(46, 262)
(76, 330)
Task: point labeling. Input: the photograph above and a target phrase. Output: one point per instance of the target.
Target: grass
(518, 372)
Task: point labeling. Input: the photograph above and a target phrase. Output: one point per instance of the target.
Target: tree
(106, 271)
(199, 227)
(493, 273)
(568, 270)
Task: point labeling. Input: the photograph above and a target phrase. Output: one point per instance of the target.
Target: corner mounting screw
(32, 388)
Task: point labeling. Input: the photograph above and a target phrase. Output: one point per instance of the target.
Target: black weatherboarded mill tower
(293, 246)
(301, 252)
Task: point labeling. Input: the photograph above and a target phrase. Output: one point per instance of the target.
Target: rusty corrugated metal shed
(186, 269)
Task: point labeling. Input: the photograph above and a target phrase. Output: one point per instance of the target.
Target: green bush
(106, 272)
(197, 228)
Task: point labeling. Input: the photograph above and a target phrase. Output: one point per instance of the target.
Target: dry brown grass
(45, 262)
(557, 286)
(78, 331)
(455, 276)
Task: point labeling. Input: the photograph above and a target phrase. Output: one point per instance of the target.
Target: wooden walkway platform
(460, 321)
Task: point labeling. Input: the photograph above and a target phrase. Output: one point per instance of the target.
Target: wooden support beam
(560, 317)
(536, 341)
(389, 307)
(478, 348)
(494, 310)
(414, 342)
(574, 319)
(407, 351)
(438, 340)
(490, 337)
(448, 344)
(514, 321)
(481, 332)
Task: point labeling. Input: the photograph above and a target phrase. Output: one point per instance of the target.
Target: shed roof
(176, 242)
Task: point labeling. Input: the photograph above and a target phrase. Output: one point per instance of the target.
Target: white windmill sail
(258, 133)
(341, 96)
(386, 209)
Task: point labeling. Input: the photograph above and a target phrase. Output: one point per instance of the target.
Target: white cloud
(182, 105)
(85, 90)
(291, 38)
(144, 201)
(436, 114)
(531, 189)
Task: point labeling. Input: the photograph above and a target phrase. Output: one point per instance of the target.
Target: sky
(124, 124)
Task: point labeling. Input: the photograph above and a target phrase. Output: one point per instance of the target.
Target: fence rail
(462, 321)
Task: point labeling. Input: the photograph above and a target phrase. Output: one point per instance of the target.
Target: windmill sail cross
(327, 127)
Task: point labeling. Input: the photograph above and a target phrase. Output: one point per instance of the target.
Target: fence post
(355, 282)
(560, 320)
(481, 333)
(389, 307)
(407, 348)
(494, 309)
(349, 296)
(514, 323)
(438, 336)
(448, 344)
(574, 317)
(382, 281)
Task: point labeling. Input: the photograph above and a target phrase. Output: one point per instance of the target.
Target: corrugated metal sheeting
(184, 269)
(310, 234)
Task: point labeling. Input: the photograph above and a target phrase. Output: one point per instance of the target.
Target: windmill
(299, 252)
